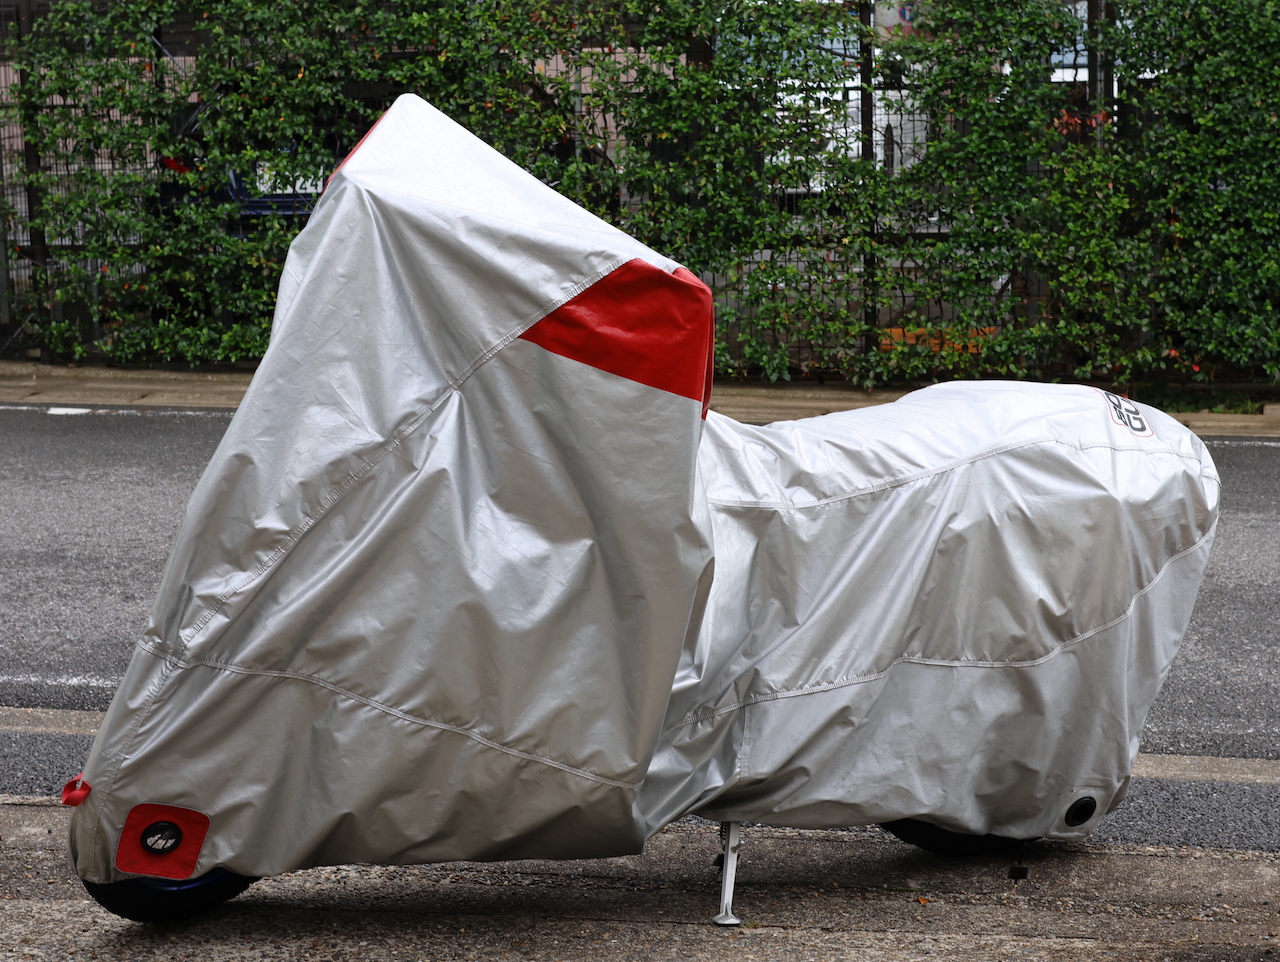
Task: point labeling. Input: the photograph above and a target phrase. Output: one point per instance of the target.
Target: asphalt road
(1223, 697)
(89, 504)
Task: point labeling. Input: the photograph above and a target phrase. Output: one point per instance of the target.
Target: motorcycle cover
(957, 607)
(473, 573)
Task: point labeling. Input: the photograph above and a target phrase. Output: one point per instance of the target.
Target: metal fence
(23, 247)
(878, 122)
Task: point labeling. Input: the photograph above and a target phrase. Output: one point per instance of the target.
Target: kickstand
(729, 840)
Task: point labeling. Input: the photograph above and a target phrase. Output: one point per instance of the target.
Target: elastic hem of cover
(694, 719)
(389, 710)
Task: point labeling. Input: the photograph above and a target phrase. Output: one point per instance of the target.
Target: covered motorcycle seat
(429, 595)
(958, 607)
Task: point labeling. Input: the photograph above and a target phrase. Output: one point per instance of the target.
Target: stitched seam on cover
(695, 718)
(515, 334)
(308, 522)
(388, 709)
(933, 472)
(380, 455)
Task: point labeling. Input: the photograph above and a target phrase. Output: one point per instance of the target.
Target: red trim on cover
(75, 791)
(178, 863)
(641, 323)
(352, 153)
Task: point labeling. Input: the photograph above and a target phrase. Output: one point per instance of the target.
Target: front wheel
(942, 841)
(164, 900)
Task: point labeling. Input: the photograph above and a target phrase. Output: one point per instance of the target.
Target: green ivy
(1034, 234)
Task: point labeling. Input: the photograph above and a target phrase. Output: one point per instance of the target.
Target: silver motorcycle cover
(445, 590)
(430, 593)
(958, 607)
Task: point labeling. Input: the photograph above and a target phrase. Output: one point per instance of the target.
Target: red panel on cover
(358, 145)
(641, 323)
(132, 854)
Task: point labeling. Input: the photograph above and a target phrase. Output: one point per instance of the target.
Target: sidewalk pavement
(803, 895)
(94, 386)
(29, 383)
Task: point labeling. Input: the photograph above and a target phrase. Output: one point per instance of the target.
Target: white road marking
(157, 411)
(61, 681)
(1208, 768)
(50, 721)
(44, 801)
(1237, 443)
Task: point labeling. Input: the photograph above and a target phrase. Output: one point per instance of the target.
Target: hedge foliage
(1023, 230)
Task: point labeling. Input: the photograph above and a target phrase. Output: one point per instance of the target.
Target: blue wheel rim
(185, 885)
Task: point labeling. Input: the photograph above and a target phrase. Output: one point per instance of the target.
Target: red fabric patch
(358, 145)
(177, 863)
(641, 323)
(75, 791)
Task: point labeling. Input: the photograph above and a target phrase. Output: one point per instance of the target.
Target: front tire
(164, 900)
(942, 841)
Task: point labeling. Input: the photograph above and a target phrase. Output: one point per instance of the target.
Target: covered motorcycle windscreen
(430, 593)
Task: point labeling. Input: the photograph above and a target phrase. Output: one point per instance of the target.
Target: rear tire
(165, 900)
(942, 841)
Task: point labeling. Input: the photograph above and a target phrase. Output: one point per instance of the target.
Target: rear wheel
(165, 900)
(942, 841)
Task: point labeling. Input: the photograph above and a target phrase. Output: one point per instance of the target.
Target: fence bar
(866, 70)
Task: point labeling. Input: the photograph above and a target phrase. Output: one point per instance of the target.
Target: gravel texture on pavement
(802, 895)
(40, 764)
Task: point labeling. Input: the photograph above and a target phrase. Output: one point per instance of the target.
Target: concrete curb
(39, 384)
(23, 383)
